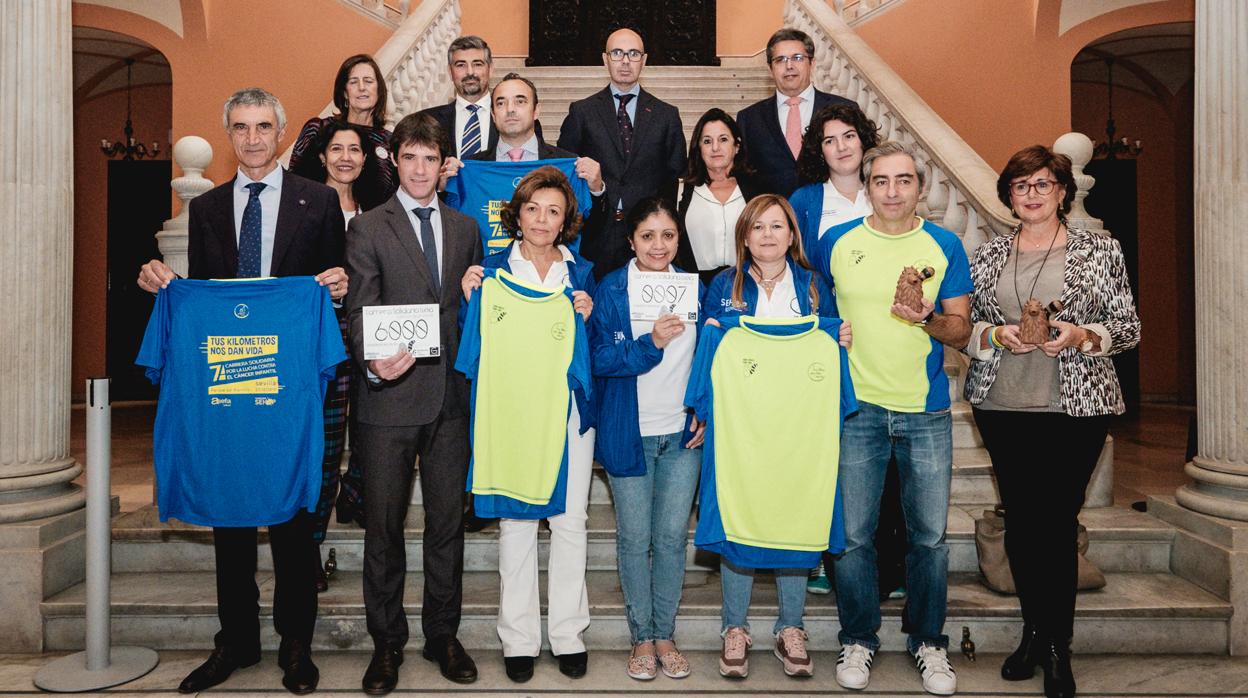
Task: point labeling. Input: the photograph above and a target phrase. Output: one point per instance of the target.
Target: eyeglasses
(798, 58)
(617, 55)
(1042, 187)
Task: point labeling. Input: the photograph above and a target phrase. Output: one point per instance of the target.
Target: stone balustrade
(193, 155)
(388, 12)
(855, 12)
(961, 186)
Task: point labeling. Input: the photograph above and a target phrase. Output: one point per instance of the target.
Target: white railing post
(1078, 148)
(193, 154)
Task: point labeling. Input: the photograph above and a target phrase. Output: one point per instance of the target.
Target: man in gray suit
(413, 249)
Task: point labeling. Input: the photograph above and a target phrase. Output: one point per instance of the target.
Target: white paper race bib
(389, 329)
(652, 294)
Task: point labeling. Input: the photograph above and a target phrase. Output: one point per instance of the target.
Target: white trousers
(519, 612)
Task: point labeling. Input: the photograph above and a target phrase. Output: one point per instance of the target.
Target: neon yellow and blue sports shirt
(242, 368)
(526, 352)
(895, 364)
(774, 393)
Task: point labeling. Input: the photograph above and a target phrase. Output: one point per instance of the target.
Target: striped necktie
(471, 142)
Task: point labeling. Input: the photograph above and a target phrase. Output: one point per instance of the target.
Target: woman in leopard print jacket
(1043, 409)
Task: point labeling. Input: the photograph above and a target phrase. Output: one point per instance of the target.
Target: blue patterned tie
(431, 247)
(472, 134)
(625, 123)
(249, 235)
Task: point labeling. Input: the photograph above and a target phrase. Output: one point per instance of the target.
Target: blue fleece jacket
(718, 299)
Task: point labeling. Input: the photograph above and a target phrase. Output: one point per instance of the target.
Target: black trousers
(238, 597)
(1043, 462)
(388, 455)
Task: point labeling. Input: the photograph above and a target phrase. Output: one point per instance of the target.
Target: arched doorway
(119, 202)
(1146, 200)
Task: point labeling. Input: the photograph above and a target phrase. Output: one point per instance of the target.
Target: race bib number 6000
(389, 329)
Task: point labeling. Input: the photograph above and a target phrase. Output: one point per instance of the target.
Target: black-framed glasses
(1042, 186)
(798, 58)
(617, 55)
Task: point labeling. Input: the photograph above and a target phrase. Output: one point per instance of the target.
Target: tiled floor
(1149, 448)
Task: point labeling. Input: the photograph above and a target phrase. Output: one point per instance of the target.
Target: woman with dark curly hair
(542, 219)
(361, 98)
(1063, 385)
(717, 186)
(829, 166)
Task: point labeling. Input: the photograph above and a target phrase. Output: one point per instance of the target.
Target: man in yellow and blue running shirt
(897, 365)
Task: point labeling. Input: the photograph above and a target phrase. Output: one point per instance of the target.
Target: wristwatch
(927, 318)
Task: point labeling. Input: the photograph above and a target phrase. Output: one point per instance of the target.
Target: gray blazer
(386, 266)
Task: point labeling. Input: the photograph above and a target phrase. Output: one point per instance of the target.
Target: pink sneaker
(791, 651)
(734, 661)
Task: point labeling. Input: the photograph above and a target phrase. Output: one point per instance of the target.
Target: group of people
(795, 208)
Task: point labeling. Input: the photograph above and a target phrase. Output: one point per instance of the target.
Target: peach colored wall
(504, 24)
(742, 27)
(943, 49)
(290, 47)
(96, 119)
(1164, 227)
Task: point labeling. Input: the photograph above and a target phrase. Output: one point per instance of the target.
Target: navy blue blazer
(765, 148)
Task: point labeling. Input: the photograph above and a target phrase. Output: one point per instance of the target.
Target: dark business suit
(446, 115)
(308, 240)
(652, 167)
(545, 151)
(423, 413)
(762, 138)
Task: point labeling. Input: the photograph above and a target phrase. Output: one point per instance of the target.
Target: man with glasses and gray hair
(636, 138)
(771, 129)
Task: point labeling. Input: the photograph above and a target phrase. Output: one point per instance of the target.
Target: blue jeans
(922, 443)
(738, 582)
(652, 522)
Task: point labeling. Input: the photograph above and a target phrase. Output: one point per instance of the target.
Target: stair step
(1135, 613)
(1121, 540)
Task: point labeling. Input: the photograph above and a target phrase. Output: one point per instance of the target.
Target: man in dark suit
(300, 233)
(637, 139)
(466, 119)
(413, 249)
(771, 130)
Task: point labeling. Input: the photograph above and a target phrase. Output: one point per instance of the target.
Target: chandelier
(129, 148)
(1112, 149)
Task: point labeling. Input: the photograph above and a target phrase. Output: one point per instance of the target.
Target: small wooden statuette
(1033, 328)
(910, 287)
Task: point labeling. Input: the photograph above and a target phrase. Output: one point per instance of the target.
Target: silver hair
(893, 148)
(468, 42)
(254, 97)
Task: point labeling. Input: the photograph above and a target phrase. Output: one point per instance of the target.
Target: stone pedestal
(193, 154)
(1211, 511)
(40, 510)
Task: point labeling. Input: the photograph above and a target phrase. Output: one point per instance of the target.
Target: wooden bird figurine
(968, 647)
(331, 563)
(910, 287)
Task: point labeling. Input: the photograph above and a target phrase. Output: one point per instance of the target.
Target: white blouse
(837, 209)
(711, 227)
(783, 301)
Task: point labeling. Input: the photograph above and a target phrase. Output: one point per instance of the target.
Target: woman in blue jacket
(829, 166)
(647, 441)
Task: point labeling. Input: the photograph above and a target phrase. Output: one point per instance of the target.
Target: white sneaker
(853, 667)
(938, 675)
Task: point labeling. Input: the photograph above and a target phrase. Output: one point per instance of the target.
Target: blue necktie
(625, 123)
(249, 235)
(471, 142)
(427, 242)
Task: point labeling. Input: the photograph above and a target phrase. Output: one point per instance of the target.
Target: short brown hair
(1031, 160)
(419, 129)
(791, 34)
(545, 177)
(745, 221)
(521, 78)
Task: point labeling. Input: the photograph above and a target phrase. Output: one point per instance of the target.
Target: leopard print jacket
(1095, 293)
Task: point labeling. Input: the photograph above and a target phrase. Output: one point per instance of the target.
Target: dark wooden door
(1113, 199)
(574, 32)
(138, 205)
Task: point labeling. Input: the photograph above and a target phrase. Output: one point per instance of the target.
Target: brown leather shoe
(452, 659)
(382, 674)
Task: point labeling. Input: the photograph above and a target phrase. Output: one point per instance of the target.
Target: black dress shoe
(1021, 665)
(382, 674)
(300, 675)
(519, 669)
(574, 665)
(1059, 680)
(218, 667)
(452, 659)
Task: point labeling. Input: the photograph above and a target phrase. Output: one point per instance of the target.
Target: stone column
(1220, 468)
(41, 514)
(36, 238)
